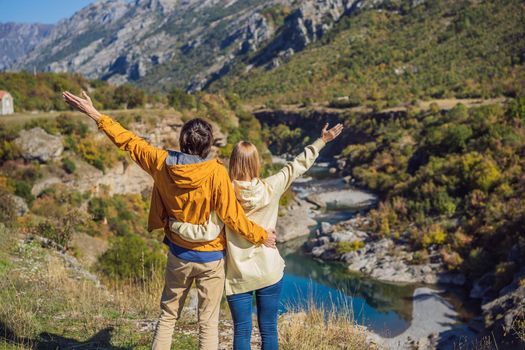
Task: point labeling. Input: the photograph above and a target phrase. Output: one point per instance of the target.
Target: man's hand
(271, 240)
(330, 135)
(84, 105)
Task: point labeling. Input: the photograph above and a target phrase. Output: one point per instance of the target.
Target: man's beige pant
(209, 280)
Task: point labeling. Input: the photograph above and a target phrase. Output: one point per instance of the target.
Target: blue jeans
(267, 300)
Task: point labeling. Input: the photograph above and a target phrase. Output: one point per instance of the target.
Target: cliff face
(189, 43)
(16, 40)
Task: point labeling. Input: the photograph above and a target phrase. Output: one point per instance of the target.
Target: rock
(510, 305)
(315, 200)
(256, 32)
(318, 251)
(323, 240)
(42, 184)
(343, 199)
(122, 179)
(306, 24)
(310, 244)
(326, 228)
(295, 223)
(378, 261)
(344, 236)
(349, 257)
(21, 207)
(90, 248)
(483, 286)
(36, 144)
(330, 254)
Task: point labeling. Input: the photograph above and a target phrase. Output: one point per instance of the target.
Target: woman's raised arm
(281, 181)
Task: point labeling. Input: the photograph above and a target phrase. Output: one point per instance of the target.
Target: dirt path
(443, 104)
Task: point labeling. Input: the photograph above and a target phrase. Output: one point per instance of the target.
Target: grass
(46, 304)
(518, 327)
(20, 118)
(317, 328)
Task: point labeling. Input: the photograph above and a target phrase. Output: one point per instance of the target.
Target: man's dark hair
(196, 137)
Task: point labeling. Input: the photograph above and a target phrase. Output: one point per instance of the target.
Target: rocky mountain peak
(163, 6)
(183, 43)
(16, 40)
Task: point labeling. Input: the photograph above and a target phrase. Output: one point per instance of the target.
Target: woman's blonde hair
(244, 161)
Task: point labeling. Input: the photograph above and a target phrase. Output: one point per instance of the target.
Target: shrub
(180, 99)
(479, 171)
(60, 229)
(69, 126)
(286, 198)
(457, 137)
(7, 207)
(434, 235)
(347, 247)
(120, 227)
(98, 208)
(8, 151)
(129, 96)
(23, 189)
(131, 257)
(48, 124)
(451, 259)
(68, 165)
(478, 261)
(420, 257)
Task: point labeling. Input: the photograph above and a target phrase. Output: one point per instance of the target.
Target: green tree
(130, 257)
(129, 96)
(181, 100)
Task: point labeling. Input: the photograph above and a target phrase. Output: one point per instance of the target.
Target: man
(187, 188)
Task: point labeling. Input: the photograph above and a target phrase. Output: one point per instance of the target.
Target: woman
(255, 268)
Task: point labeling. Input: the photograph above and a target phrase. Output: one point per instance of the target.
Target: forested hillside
(43, 91)
(400, 54)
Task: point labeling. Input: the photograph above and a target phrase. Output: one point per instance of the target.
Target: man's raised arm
(145, 155)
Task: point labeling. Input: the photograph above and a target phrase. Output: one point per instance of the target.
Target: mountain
(187, 43)
(16, 40)
(400, 54)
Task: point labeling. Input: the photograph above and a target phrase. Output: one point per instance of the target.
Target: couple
(208, 218)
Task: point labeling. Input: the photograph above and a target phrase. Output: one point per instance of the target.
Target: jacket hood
(254, 194)
(193, 175)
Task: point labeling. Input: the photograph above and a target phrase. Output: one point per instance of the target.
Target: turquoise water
(384, 308)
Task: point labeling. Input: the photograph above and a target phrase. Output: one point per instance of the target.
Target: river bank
(379, 258)
(339, 212)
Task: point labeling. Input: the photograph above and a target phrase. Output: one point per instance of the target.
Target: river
(385, 308)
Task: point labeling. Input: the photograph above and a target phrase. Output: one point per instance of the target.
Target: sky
(39, 11)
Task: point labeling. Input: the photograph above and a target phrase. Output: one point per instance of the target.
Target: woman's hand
(330, 135)
(84, 105)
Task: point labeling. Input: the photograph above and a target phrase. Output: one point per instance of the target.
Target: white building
(6, 103)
